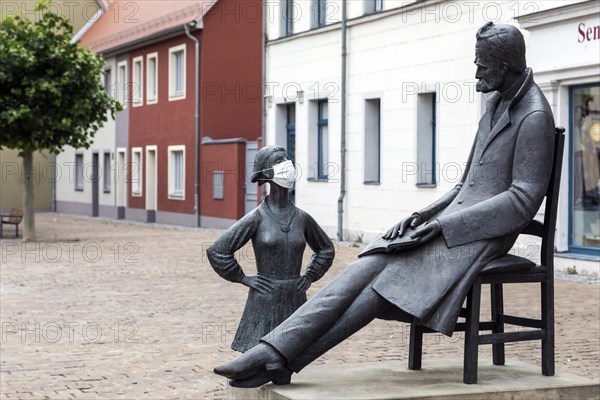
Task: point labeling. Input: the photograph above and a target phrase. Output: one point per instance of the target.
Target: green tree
(51, 94)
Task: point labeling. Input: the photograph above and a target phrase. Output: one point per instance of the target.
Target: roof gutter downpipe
(263, 193)
(340, 227)
(196, 123)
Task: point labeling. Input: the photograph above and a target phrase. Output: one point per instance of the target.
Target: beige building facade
(80, 13)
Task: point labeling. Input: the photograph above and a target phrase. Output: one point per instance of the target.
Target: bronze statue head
(499, 55)
(264, 160)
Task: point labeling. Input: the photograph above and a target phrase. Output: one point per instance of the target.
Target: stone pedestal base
(438, 380)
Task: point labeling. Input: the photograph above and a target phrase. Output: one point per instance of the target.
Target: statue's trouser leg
(343, 306)
(367, 306)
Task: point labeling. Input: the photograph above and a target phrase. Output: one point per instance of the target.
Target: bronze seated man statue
(478, 221)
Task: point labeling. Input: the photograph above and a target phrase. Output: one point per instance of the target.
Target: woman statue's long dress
(279, 232)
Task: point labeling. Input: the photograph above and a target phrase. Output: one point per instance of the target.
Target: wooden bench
(14, 218)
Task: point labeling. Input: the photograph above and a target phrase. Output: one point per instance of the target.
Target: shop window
(585, 170)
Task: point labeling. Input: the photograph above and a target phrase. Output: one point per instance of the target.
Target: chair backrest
(546, 230)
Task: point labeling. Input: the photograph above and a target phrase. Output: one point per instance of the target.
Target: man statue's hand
(303, 283)
(258, 283)
(427, 231)
(401, 227)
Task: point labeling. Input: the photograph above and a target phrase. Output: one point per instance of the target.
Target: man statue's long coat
(504, 185)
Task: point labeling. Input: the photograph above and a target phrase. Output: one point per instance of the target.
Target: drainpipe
(263, 192)
(340, 232)
(196, 122)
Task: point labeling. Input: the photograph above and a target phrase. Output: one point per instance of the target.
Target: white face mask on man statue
(284, 174)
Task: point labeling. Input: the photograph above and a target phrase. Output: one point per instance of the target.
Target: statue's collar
(517, 91)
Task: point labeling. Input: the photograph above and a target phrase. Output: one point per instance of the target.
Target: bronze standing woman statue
(279, 232)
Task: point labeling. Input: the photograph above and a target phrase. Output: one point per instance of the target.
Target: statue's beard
(485, 86)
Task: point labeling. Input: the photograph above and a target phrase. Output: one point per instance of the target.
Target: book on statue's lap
(381, 245)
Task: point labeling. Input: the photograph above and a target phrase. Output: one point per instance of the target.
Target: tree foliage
(51, 94)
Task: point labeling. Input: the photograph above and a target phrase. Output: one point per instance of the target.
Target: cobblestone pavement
(100, 309)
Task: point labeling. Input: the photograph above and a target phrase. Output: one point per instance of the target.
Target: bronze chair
(509, 269)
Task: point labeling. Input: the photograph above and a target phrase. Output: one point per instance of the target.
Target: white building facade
(88, 180)
(411, 106)
(564, 51)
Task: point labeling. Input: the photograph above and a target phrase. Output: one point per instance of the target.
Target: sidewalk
(104, 310)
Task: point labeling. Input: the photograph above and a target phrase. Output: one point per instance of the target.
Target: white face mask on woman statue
(284, 174)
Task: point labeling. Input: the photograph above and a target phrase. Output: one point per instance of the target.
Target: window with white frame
(136, 171)
(177, 172)
(122, 84)
(322, 139)
(372, 140)
(319, 11)
(108, 82)
(79, 172)
(152, 78)
(372, 6)
(287, 22)
(426, 139)
(137, 86)
(177, 72)
(106, 172)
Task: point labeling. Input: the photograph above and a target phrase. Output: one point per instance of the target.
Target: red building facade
(161, 85)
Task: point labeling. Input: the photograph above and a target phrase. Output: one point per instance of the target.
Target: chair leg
(497, 302)
(548, 321)
(415, 349)
(472, 333)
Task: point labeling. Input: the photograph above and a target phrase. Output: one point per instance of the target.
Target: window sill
(426, 185)
(176, 196)
(106, 191)
(311, 31)
(136, 194)
(372, 183)
(177, 97)
(318, 180)
(577, 256)
(79, 189)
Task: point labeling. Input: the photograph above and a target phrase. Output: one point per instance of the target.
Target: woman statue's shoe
(260, 358)
(279, 377)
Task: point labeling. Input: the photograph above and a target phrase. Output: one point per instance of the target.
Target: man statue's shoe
(279, 377)
(260, 358)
